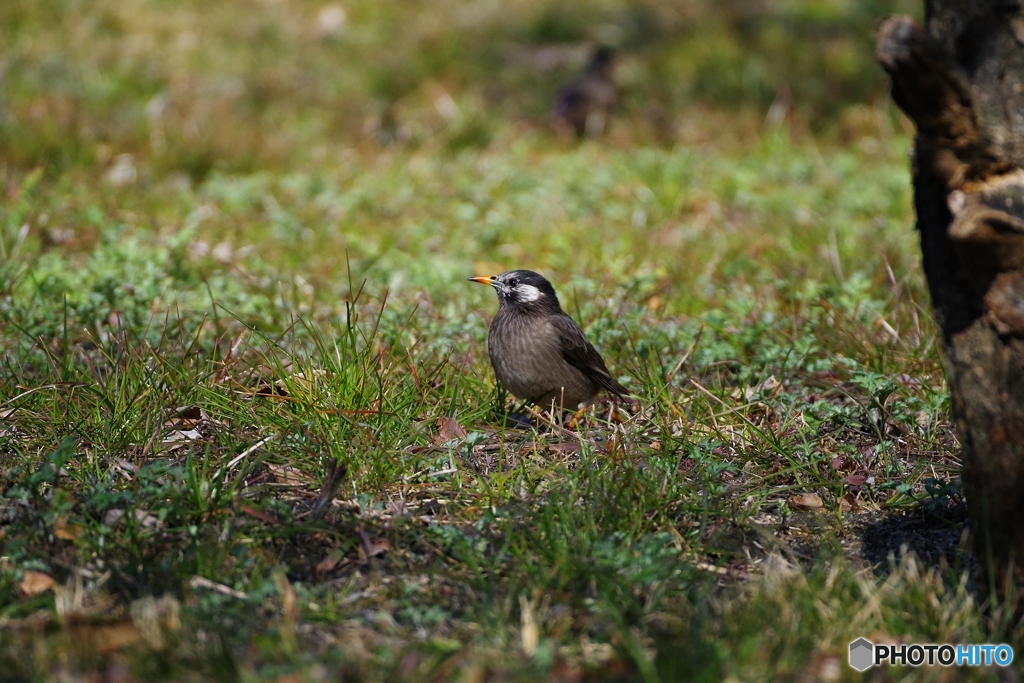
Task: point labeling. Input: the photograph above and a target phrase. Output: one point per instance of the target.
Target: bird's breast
(525, 351)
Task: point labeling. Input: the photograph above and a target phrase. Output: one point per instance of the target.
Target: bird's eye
(513, 282)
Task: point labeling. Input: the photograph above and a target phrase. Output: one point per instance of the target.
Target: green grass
(247, 423)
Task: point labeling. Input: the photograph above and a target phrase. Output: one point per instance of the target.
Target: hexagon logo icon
(862, 654)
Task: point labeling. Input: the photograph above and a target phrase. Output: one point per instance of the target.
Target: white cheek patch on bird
(526, 293)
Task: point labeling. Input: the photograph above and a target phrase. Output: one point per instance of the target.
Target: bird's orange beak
(483, 279)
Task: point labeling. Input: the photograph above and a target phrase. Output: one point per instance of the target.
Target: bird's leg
(523, 408)
(514, 417)
(576, 417)
(545, 418)
(535, 412)
(619, 413)
(554, 423)
(620, 409)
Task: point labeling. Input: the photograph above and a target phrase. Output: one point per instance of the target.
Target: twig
(336, 472)
(249, 451)
(203, 582)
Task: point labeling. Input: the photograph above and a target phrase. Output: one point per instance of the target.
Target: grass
(248, 430)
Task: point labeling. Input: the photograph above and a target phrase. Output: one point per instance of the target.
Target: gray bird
(585, 103)
(537, 351)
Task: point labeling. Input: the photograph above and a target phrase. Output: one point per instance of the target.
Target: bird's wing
(581, 354)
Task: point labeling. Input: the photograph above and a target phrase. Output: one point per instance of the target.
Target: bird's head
(522, 289)
(601, 59)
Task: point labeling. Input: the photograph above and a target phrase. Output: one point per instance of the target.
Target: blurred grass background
(239, 86)
(414, 138)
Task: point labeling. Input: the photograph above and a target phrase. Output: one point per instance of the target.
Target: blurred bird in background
(583, 105)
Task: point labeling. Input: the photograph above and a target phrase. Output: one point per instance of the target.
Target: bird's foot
(555, 421)
(576, 417)
(517, 420)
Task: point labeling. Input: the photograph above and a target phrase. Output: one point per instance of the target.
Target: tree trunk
(961, 79)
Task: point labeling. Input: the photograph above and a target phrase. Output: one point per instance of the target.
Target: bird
(585, 102)
(537, 351)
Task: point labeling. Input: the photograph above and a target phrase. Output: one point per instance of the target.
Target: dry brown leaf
(377, 548)
(35, 583)
(185, 415)
(769, 387)
(266, 388)
(65, 531)
(449, 429)
(805, 501)
(849, 503)
(330, 562)
(371, 547)
(289, 476)
(564, 447)
(856, 480)
(258, 514)
(179, 438)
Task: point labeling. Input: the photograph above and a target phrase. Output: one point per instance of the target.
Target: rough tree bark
(960, 78)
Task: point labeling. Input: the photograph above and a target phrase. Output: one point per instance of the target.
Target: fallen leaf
(378, 548)
(449, 429)
(125, 465)
(828, 377)
(181, 437)
(371, 547)
(188, 413)
(769, 387)
(805, 501)
(849, 503)
(65, 531)
(563, 446)
(258, 514)
(35, 583)
(265, 388)
(330, 562)
(289, 476)
(856, 480)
